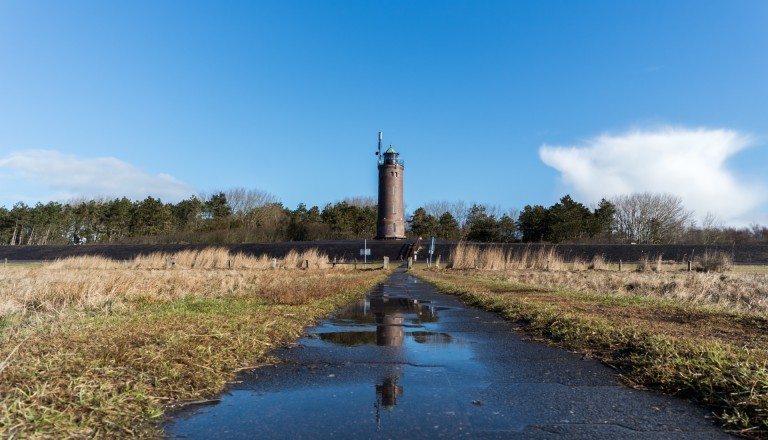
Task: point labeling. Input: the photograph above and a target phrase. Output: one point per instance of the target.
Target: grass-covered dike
(92, 348)
(699, 335)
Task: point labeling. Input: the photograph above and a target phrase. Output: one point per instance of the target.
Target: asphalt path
(410, 362)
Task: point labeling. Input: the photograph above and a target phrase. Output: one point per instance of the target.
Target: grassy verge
(749, 268)
(104, 352)
(713, 354)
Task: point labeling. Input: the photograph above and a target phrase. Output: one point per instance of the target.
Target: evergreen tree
(448, 227)
(151, 218)
(533, 223)
(217, 206)
(480, 226)
(567, 220)
(187, 214)
(601, 221)
(350, 222)
(507, 229)
(423, 224)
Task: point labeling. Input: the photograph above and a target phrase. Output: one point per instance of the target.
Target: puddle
(408, 362)
(365, 370)
(383, 320)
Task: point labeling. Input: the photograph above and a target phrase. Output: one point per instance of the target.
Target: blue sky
(506, 103)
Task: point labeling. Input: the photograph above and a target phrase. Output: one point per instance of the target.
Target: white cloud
(688, 163)
(46, 175)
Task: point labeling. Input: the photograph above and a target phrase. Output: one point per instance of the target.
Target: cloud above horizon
(48, 175)
(688, 163)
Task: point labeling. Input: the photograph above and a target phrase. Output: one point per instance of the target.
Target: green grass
(747, 268)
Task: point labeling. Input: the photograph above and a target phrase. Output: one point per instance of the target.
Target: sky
(505, 103)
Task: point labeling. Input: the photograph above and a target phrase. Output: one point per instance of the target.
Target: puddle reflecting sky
(408, 362)
(361, 371)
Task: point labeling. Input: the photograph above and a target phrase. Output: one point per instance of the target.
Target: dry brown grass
(99, 283)
(652, 278)
(470, 256)
(310, 259)
(650, 264)
(207, 258)
(714, 261)
(598, 263)
(90, 347)
(734, 291)
(52, 292)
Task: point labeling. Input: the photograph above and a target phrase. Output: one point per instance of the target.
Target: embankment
(349, 250)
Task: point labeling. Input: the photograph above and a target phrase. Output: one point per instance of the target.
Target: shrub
(716, 261)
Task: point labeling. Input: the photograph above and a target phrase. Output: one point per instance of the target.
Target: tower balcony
(400, 162)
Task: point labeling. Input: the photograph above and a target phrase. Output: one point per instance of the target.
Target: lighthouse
(391, 219)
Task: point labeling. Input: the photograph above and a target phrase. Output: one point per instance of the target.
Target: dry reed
(598, 263)
(207, 258)
(648, 264)
(52, 292)
(470, 256)
(220, 258)
(99, 283)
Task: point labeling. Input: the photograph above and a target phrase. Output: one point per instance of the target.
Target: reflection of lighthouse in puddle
(389, 313)
(386, 396)
(389, 321)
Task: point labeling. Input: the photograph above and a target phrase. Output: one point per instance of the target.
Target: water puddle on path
(377, 368)
(408, 362)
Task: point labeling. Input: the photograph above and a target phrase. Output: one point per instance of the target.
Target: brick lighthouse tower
(391, 221)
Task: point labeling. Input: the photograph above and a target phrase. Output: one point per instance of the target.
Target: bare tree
(711, 228)
(648, 218)
(494, 211)
(460, 211)
(437, 208)
(361, 201)
(242, 201)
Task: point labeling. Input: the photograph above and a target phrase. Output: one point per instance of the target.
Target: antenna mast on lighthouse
(378, 153)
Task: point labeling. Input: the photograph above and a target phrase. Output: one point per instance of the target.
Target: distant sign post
(365, 252)
(431, 250)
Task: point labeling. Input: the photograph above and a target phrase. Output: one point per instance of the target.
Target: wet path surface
(409, 362)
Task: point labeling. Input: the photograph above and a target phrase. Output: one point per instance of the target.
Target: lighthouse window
(393, 190)
(391, 173)
(394, 227)
(394, 211)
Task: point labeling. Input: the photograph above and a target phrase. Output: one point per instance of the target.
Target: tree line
(240, 216)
